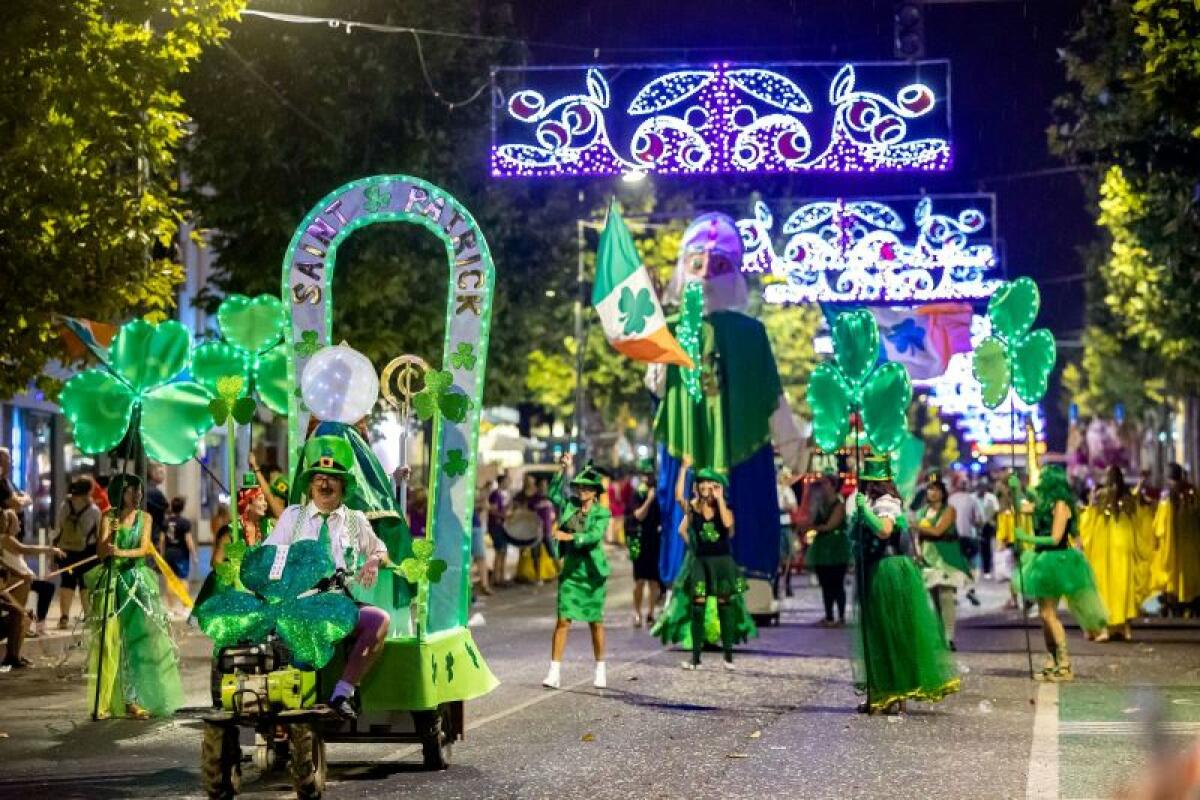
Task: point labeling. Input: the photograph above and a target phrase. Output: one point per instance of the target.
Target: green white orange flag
(625, 300)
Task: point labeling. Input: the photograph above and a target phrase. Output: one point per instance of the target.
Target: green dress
(583, 579)
(944, 562)
(828, 548)
(140, 664)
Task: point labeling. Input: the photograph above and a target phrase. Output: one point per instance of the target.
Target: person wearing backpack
(78, 527)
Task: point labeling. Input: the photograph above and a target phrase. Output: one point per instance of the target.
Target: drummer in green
(582, 581)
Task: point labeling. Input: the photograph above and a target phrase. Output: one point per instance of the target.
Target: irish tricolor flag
(624, 297)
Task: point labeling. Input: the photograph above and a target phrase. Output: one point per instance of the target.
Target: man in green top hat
(353, 547)
(583, 580)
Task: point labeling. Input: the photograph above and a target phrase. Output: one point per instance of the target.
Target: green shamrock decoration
(228, 402)
(135, 387)
(635, 309)
(852, 381)
(309, 625)
(449, 667)
(308, 344)
(471, 654)
(437, 396)
(635, 546)
(456, 465)
(709, 532)
(463, 357)
(433, 667)
(252, 330)
(375, 199)
(1014, 355)
(421, 566)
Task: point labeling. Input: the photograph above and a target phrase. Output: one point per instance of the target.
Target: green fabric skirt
(899, 650)
(1052, 574)
(828, 549)
(581, 592)
(675, 624)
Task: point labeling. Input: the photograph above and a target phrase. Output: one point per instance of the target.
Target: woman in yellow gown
(1117, 540)
(1176, 571)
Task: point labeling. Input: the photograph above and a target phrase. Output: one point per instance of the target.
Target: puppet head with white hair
(711, 252)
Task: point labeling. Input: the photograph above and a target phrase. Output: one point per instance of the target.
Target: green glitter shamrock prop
(456, 464)
(309, 625)
(421, 566)
(635, 309)
(307, 345)
(228, 401)
(1014, 356)
(252, 347)
(464, 356)
(437, 396)
(135, 387)
(852, 381)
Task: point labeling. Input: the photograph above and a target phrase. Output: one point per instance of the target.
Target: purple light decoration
(862, 251)
(723, 119)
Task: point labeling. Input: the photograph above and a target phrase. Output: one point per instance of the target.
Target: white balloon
(339, 384)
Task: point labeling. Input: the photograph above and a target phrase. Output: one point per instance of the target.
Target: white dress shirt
(348, 530)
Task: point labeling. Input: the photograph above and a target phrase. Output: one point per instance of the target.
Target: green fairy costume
(583, 580)
(708, 573)
(139, 665)
(900, 653)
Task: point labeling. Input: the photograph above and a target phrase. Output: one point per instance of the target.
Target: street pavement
(782, 725)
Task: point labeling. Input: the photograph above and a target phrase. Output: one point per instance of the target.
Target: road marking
(1042, 780)
(1118, 728)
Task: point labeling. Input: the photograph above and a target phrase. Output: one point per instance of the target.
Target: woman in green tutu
(901, 652)
(1054, 569)
(133, 666)
(582, 581)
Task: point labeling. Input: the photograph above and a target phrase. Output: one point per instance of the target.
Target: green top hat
(117, 485)
(249, 481)
(280, 487)
(328, 455)
(876, 468)
(589, 478)
(712, 476)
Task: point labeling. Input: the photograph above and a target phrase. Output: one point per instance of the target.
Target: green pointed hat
(876, 468)
(327, 455)
(589, 478)
(712, 476)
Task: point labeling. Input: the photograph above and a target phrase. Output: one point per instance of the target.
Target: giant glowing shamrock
(852, 381)
(1014, 355)
(252, 330)
(309, 625)
(437, 396)
(135, 386)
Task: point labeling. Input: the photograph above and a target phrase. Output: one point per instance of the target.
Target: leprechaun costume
(583, 580)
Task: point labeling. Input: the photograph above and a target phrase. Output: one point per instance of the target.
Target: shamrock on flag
(625, 300)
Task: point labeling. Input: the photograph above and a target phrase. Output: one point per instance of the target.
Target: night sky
(1004, 70)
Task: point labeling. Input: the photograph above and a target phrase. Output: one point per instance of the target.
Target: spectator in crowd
(78, 529)
(14, 569)
(12, 499)
(156, 502)
(273, 484)
(497, 510)
(989, 508)
(967, 515)
(479, 518)
(178, 546)
(12, 631)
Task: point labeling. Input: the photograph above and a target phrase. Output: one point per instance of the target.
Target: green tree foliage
(93, 121)
(1133, 122)
(1112, 371)
(791, 330)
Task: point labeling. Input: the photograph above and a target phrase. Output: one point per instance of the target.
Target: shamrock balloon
(252, 330)
(853, 381)
(135, 387)
(1014, 356)
(309, 625)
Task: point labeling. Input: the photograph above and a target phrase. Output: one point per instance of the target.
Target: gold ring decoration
(403, 377)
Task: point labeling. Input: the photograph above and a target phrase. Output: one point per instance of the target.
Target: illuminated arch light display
(863, 251)
(723, 118)
(957, 394)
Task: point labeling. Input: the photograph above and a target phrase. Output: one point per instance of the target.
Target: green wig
(1052, 487)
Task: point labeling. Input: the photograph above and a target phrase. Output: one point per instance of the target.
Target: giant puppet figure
(725, 414)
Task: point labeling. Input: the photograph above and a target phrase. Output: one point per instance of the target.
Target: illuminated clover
(463, 357)
(309, 624)
(437, 396)
(852, 381)
(252, 347)
(635, 309)
(1014, 355)
(307, 345)
(228, 401)
(135, 387)
(421, 566)
(456, 464)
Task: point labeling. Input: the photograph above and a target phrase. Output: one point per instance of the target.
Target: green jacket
(588, 544)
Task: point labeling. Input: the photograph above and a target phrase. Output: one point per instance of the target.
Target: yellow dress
(1118, 546)
(1176, 569)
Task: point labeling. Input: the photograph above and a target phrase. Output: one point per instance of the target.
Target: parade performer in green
(943, 565)
(725, 412)
(900, 650)
(133, 666)
(582, 581)
(1054, 569)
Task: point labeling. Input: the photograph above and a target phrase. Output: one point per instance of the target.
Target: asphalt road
(782, 725)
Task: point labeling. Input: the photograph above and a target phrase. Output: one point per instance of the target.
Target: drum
(523, 528)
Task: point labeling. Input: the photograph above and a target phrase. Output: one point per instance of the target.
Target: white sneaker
(728, 665)
(601, 679)
(689, 666)
(553, 679)
(476, 620)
